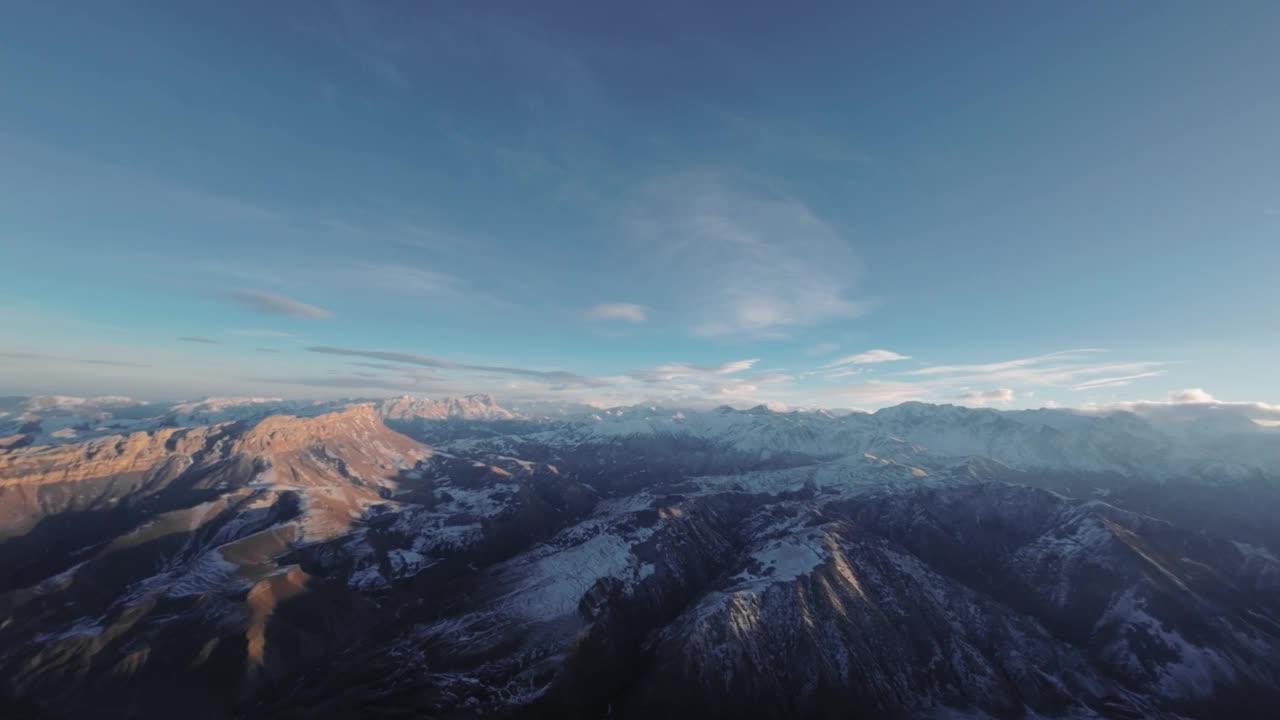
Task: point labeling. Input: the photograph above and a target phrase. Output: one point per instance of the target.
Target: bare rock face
(343, 462)
(331, 450)
(284, 433)
(114, 455)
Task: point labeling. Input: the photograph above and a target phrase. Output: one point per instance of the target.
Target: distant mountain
(258, 558)
(60, 418)
(51, 419)
(470, 407)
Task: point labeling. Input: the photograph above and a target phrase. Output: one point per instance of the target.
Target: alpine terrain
(254, 558)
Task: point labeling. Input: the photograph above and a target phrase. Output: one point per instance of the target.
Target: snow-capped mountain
(268, 558)
(1057, 440)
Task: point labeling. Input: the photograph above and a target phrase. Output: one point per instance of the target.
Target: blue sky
(990, 203)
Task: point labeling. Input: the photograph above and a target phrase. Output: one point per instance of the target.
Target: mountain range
(408, 557)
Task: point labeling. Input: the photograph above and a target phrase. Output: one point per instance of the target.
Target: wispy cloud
(1063, 368)
(350, 382)
(263, 334)
(553, 376)
(408, 279)
(750, 261)
(74, 172)
(114, 363)
(869, 357)
(840, 372)
(675, 382)
(1003, 365)
(194, 339)
(628, 312)
(273, 304)
(86, 361)
(1115, 381)
(822, 348)
(377, 365)
(676, 371)
(388, 355)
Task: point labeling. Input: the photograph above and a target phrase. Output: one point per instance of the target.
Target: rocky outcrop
(105, 457)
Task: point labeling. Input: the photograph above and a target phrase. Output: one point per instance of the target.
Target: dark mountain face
(731, 564)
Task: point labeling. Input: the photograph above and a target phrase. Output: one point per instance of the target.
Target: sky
(835, 204)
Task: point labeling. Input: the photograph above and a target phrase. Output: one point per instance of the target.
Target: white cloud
(1191, 395)
(984, 397)
(738, 259)
(1189, 406)
(628, 312)
(869, 357)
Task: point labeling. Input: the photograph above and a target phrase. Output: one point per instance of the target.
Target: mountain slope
(183, 564)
